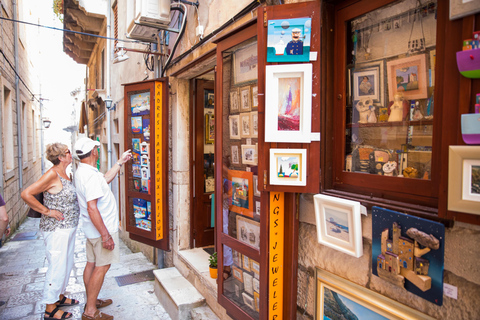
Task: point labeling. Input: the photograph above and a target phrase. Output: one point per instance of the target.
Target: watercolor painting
(140, 103)
(407, 78)
(337, 224)
(240, 190)
(146, 129)
(245, 66)
(137, 124)
(289, 104)
(289, 40)
(287, 167)
(409, 252)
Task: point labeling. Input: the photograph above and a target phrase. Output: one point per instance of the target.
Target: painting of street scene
(287, 167)
(289, 104)
(407, 78)
(140, 103)
(240, 190)
(337, 224)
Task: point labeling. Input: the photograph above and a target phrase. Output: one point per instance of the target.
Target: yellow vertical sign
(158, 161)
(276, 257)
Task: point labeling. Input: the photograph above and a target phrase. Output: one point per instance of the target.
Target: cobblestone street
(22, 274)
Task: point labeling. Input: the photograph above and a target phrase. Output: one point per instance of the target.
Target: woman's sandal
(61, 303)
(65, 315)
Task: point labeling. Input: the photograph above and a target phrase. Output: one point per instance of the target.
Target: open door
(202, 226)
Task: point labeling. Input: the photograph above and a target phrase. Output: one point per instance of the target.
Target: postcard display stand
(146, 176)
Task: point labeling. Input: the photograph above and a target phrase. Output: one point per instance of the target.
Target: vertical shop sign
(158, 160)
(275, 259)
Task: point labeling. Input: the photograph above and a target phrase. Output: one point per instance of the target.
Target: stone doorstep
(176, 294)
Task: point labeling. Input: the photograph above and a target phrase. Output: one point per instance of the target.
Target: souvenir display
(144, 146)
(144, 160)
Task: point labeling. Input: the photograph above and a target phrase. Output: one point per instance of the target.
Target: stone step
(176, 294)
(203, 313)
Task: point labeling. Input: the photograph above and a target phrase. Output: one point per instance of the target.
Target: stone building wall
(31, 166)
(461, 268)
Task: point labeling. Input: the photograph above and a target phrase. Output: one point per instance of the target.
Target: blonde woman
(58, 224)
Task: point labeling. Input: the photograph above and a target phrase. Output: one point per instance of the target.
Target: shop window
(384, 113)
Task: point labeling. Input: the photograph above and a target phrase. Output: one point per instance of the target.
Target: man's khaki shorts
(99, 255)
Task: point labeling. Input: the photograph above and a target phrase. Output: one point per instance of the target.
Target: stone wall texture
(461, 268)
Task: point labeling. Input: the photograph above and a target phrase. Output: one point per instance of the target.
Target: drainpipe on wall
(17, 97)
(109, 51)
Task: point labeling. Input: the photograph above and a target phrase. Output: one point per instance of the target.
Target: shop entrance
(203, 222)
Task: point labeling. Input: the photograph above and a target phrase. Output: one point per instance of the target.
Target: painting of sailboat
(289, 104)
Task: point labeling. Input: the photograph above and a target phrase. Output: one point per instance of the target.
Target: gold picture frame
(367, 302)
(463, 177)
(209, 128)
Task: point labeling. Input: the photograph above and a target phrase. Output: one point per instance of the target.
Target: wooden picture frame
(245, 99)
(256, 298)
(237, 273)
(246, 263)
(234, 101)
(463, 179)
(209, 128)
(366, 304)
(245, 125)
(288, 103)
(288, 167)
(245, 64)
(234, 127)
(254, 124)
(410, 75)
(240, 193)
(461, 8)
(249, 154)
(339, 224)
(248, 231)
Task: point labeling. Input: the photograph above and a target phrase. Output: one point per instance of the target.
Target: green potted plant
(212, 263)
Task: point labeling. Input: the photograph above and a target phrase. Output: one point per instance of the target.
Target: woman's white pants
(59, 249)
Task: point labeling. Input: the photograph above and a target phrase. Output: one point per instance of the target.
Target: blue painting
(336, 306)
(289, 40)
(140, 104)
(409, 252)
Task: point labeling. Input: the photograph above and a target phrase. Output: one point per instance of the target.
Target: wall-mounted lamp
(108, 103)
(46, 123)
(120, 56)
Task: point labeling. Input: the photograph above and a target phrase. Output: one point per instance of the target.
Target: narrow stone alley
(22, 274)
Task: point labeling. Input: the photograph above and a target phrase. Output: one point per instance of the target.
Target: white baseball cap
(85, 145)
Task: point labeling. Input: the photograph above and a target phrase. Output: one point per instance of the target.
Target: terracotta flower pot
(213, 272)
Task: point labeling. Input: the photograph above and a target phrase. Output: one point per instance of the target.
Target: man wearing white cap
(295, 47)
(99, 220)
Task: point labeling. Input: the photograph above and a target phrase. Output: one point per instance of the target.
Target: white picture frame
(462, 160)
(248, 282)
(245, 125)
(235, 155)
(256, 285)
(249, 154)
(248, 300)
(256, 192)
(254, 96)
(288, 114)
(245, 99)
(283, 161)
(339, 224)
(234, 125)
(254, 124)
(234, 101)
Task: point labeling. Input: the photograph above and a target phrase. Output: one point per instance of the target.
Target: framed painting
(246, 263)
(209, 128)
(137, 124)
(245, 64)
(464, 179)
(249, 154)
(248, 300)
(254, 124)
(256, 285)
(289, 40)
(234, 101)
(254, 96)
(248, 231)
(288, 106)
(257, 207)
(288, 167)
(256, 192)
(237, 258)
(209, 99)
(245, 125)
(359, 302)
(247, 282)
(234, 124)
(235, 156)
(339, 224)
(140, 103)
(408, 75)
(366, 83)
(241, 194)
(462, 8)
(255, 267)
(245, 99)
(237, 273)
(256, 297)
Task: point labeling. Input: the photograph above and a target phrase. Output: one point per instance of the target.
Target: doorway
(203, 118)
